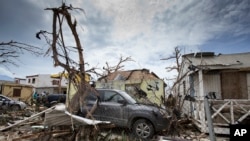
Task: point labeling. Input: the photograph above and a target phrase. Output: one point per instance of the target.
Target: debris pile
(54, 123)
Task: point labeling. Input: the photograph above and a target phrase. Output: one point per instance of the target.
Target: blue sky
(146, 30)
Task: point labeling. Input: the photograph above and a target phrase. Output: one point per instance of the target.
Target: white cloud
(4, 71)
(145, 30)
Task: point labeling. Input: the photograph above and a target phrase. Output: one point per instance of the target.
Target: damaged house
(22, 92)
(224, 79)
(139, 82)
(16, 89)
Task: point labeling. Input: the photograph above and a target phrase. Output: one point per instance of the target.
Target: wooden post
(232, 112)
(201, 100)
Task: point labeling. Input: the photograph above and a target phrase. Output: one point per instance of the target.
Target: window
(33, 80)
(2, 98)
(28, 80)
(16, 92)
(55, 82)
(110, 96)
(91, 97)
(184, 87)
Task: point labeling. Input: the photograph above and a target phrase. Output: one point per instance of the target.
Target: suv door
(91, 100)
(111, 108)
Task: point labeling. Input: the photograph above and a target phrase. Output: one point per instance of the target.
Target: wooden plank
(221, 124)
(232, 112)
(201, 96)
(240, 106)
(244, 116)
(220, 130)
(246, 101)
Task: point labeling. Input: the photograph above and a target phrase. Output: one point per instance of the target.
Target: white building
(224, 79)
(44, 82)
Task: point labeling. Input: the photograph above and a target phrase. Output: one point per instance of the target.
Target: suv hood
(147, 107)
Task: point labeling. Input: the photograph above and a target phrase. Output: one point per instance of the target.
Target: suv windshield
(128, 97)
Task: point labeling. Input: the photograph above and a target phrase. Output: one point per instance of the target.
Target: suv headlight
(159, 112)
(164, 113)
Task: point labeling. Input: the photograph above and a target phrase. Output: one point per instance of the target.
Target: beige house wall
(26, 91)
(153, 95)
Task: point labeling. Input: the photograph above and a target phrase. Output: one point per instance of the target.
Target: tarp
(60, 116)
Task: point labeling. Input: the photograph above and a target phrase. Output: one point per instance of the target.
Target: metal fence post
(209, 119)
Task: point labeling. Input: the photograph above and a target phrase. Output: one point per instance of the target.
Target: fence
(217, 115)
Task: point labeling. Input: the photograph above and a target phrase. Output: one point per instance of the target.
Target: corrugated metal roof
(221, 61)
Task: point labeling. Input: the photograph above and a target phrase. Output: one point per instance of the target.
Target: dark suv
(52, 99)
(122, 110)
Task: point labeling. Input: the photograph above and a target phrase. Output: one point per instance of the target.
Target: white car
(8, 103)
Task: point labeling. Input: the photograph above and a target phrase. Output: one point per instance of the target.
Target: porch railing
(229, 111)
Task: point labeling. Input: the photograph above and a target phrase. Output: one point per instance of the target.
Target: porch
(223, 113)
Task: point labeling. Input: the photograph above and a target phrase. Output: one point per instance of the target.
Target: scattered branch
(12, 50)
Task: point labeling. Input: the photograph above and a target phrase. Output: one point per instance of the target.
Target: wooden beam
(244, 116)
(222, 116)
(232, 112)
(240, 106)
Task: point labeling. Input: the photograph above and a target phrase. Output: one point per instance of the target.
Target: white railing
(229, 111)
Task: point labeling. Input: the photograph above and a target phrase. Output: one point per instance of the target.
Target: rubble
(52, 123)
(56, 124)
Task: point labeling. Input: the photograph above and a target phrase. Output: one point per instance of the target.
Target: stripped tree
(61, 54)
(174, 102)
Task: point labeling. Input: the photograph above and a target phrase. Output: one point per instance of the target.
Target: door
(234, 85)
(112, 109)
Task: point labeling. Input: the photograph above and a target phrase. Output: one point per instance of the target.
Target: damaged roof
(209, 60)
(131, 75)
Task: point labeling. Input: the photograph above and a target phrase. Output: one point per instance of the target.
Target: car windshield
(5, 98)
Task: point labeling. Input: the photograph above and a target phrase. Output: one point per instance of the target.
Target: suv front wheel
(143, 129)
